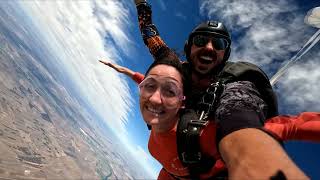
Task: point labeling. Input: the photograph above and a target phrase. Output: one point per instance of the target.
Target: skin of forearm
(252, 154)
(128, 72)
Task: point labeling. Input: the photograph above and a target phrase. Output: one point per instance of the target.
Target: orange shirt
(163, 146)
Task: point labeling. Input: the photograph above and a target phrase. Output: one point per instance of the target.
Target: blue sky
(267, 34)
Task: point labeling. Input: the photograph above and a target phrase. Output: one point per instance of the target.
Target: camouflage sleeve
(240, 106)
(149, 32)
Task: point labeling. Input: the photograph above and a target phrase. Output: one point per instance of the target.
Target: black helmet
(213, 28)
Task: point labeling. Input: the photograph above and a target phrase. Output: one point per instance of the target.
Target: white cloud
(162, 5)
(299, 87)
(145, 159)
(181, 16)
(268, 34)
(80, 33)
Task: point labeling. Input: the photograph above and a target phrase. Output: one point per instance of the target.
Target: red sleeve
(218, 171)
(305, 126)
(164, 175)
(138, 77)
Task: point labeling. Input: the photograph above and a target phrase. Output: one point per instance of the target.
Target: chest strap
(190, 125)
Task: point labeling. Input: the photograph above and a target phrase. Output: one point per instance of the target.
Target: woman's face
(161, 97)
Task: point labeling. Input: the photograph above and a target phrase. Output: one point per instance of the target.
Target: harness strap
(190, 126)
(188, 138)
(197, 170)
(210, 99)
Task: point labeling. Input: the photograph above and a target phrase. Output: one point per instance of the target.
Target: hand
(139, 1)
(104, 62)
(113, 66)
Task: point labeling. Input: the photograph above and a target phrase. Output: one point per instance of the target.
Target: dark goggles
(218, 42)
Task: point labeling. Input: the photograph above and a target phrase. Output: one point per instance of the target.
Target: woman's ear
(183, 105)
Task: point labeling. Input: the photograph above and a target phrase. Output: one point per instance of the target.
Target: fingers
(108, 64)
(114, 66)
(139, 1)
(105, 62)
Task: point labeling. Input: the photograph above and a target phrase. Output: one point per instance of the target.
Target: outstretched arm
(149, 32)
(304, 126)
(249, 153)
(255, 155)
(119, 68)
(136, 76)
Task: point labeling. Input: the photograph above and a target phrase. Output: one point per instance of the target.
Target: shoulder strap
(188, 132)
(190, 125)
(188, 144)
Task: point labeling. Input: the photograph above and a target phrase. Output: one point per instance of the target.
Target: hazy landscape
(46, 130)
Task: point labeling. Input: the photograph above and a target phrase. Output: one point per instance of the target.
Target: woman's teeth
(155, 111)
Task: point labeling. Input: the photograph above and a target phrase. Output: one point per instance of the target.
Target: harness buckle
(193, 158)
(200, 123)
(209, 99)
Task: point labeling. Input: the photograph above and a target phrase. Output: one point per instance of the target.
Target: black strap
(189, 128)
(209, 100)
(279, 176)
(188, 137)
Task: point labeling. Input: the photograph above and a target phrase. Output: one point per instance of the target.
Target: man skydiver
(243, 107)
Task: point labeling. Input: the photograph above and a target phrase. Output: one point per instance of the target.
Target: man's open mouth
(206, 59)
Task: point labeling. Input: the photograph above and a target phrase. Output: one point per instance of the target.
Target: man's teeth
(207, 58)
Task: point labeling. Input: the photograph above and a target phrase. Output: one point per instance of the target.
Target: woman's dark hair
(173, 60)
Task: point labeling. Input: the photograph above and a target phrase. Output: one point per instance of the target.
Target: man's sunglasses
(217, 42)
